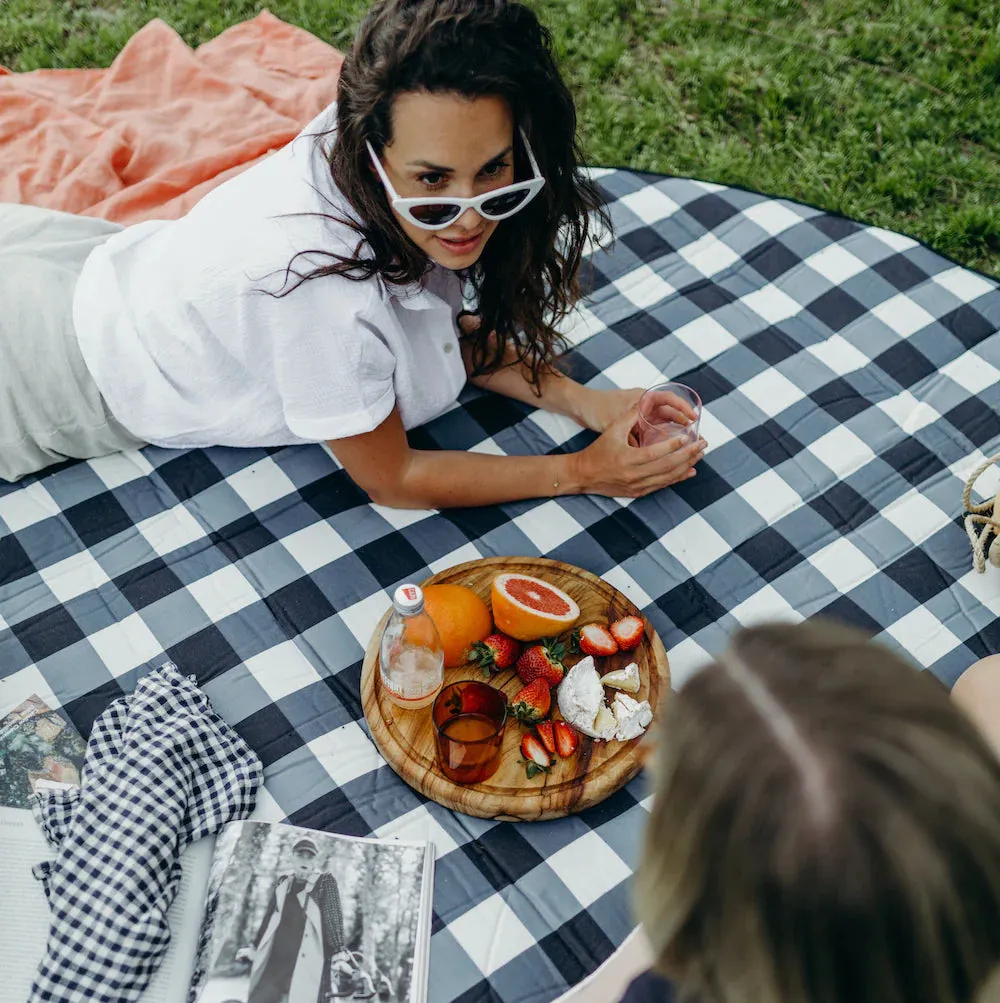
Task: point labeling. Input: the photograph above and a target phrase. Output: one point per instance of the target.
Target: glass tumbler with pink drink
(668, 411)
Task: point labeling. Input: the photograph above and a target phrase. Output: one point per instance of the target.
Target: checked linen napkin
(162, 771)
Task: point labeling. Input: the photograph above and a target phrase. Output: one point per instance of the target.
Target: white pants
(50, 407)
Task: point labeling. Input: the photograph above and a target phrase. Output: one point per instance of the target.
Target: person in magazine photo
(299, 916)
(302, 930)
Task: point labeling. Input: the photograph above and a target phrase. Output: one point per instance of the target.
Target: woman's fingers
(666, 406)
(621, 468)
(683, 407)
(670, 411)
(675, 467)
(676, 448)
(672, 476)
(673, 414)
(659, 451)
(652, 484)
(621, 428)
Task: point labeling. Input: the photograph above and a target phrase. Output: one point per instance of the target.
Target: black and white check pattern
(162, 771)
(851, 379)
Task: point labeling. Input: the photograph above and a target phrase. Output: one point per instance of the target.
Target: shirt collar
(420, 295)
(416, 297)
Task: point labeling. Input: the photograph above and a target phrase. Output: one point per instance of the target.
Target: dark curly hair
(526, 280)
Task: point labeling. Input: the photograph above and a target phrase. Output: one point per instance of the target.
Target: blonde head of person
(826, 829)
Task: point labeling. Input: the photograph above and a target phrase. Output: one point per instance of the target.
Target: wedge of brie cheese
(623, 679)
(581, 702)
(631, 717)
(581, 697)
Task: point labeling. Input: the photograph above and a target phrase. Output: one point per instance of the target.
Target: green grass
(885, 112)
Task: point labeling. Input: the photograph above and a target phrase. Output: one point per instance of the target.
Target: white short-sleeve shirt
(179, 332)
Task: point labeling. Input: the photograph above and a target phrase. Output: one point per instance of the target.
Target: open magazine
(264, 910)
(314, 916)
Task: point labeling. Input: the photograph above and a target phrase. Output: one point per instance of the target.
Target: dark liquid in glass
(469, 747)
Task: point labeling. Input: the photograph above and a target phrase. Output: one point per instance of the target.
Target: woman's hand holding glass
(666, 411)
(616, 466)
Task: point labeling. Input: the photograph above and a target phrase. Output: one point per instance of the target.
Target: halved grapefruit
(527, 608)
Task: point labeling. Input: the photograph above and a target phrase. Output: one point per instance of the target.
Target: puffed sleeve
(332, 370)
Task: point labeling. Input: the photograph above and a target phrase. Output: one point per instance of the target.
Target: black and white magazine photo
(297, 915)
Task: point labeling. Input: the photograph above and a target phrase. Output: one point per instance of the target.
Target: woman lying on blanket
(826, 829)
(318, 295)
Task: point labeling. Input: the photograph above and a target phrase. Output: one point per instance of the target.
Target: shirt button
(449, 346)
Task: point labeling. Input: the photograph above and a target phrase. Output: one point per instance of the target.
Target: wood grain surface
(406, 739)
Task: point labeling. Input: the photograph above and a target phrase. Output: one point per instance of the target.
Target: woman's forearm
(452, 479)
(383, 464)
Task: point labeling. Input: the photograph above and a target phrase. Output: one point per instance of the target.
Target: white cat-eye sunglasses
(438, 212)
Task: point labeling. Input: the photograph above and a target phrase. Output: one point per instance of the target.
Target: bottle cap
(408, 599)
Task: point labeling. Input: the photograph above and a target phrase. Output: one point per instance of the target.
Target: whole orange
(461, 617)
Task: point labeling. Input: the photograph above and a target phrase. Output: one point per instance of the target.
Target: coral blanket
(164, 124)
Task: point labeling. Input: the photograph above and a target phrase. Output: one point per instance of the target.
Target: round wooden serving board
(596, 771)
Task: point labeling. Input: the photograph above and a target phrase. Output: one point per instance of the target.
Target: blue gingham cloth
(162, 771)
(851, 380)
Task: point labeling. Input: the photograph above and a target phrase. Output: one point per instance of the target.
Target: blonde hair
(825, 829)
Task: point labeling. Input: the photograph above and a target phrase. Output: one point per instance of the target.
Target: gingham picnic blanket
(850, 378)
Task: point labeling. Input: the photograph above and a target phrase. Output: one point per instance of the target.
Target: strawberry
(628, 632)
(594, 639)
(542, 661)
(532, 702)
(536, 759)
(544, 729)
(495, 653)
(567, 739)
(469, 700)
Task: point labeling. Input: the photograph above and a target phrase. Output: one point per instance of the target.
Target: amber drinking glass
(469, 720)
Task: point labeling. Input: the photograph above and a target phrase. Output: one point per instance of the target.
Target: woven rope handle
(985, 515)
